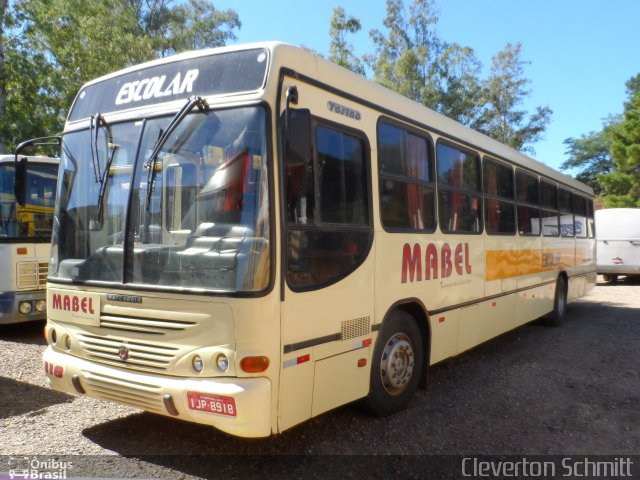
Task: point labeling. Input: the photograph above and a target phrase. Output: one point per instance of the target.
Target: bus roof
(361, 90)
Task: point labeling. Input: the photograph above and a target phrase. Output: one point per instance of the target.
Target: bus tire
(396, 366)
(556, 317)
(611, 278)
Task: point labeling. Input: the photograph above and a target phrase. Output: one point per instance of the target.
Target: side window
(566, 212)
(328, 212)
(458, 190)
(580, 216)
(528, 203)
(406, 184)
(499, 205)
(342, 179)
(549, 203)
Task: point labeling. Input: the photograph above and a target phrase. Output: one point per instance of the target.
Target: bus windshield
(204, 224)
(31, 222)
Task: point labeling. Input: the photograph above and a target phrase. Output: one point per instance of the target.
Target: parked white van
(618, 242)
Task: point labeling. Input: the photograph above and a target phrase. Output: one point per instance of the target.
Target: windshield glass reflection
(203, 225)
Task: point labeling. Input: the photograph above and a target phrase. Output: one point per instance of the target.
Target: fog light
(222, 362)
(67, 342)
(197, 363)
(25, 308)
(54, 336)
(41, 306)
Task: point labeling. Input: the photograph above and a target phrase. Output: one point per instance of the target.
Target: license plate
(212, 403)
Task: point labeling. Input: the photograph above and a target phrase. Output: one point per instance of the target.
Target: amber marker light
(254, 364)
(22, 250)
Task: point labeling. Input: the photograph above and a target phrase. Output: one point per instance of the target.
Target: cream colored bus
(250, 236)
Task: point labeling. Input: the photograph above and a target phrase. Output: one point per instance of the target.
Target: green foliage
(591, 155)
(340, 51)
(411, 59)
(55, 46)
(3, 86)
(505, 90)
(622, 185)
(406, 58)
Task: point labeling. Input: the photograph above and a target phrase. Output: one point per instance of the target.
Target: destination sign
(222, 73)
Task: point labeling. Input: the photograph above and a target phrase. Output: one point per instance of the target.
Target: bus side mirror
(20, 181)
(298, 137)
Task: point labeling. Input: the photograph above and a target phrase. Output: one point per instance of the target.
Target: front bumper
(165, 395)
(618, 269)
(10, 307)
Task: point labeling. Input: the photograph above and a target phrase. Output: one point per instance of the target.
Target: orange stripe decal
(515, 263)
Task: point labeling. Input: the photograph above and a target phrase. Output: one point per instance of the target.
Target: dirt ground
(573, 390)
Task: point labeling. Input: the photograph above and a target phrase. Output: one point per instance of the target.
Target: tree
(413, 60)
(3, 88)
(591, 155)
(622, 185)
(60, 44)
(461, 93)
(505, 90)
(406, 58)
(193, 25)
(340, 51)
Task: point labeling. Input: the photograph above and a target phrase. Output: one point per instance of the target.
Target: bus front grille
(143, 325)
(43, 272)
(135, 394)
(127, 354)
(32, 275)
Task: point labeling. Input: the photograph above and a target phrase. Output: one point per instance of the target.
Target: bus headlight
(197, 363)
(41, 306)
(25, 308)
(222, 362)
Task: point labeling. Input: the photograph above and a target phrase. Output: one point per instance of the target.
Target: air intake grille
(355, 328)
(135, 394)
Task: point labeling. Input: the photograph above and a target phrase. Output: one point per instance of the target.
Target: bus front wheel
(396, 365)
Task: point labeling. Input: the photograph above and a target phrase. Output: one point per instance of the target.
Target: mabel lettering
(73, 303)
(437, 263)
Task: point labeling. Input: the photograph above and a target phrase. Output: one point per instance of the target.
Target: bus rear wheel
(396, 365)
(556, 317)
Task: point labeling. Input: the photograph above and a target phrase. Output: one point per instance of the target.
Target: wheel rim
(397, 363)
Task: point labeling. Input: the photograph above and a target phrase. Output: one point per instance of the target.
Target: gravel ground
(572, 390)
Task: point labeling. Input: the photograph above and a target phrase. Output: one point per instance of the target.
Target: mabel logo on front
(73, 307)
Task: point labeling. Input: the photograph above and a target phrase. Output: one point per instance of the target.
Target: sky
(581, 51)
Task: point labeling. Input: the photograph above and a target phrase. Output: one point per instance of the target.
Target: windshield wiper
(101, 177)
(94, 125)
(193, 101)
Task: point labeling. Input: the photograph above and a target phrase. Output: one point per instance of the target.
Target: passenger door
(327, 309)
